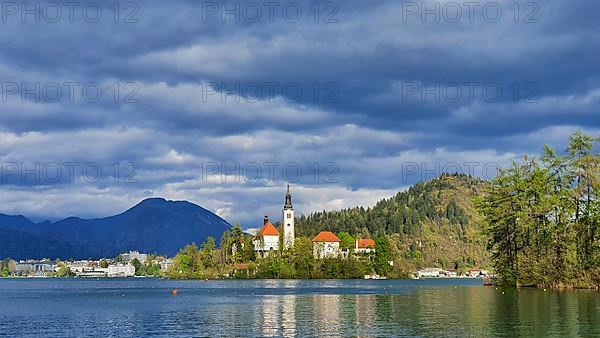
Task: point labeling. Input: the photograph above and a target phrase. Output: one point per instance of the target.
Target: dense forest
(402, 214)
(543, 218)
(433, 223)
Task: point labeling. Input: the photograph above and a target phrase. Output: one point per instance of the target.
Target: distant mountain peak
(154, 225)
(154, 200)
(151, 201)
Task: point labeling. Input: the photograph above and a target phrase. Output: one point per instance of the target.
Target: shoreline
(547, 288)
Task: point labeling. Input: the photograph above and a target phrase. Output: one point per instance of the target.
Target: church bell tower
(288, 221)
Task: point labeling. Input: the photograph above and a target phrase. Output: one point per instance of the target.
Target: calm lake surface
(289, 308)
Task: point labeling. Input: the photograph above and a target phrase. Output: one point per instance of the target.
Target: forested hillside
(433, 223)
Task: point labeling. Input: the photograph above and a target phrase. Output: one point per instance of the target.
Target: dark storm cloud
(378, 95)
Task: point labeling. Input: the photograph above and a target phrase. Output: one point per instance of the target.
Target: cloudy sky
(221, 103)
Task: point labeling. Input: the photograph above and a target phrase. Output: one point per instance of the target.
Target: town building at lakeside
(121, 266)
(451, 273)
(131, 255)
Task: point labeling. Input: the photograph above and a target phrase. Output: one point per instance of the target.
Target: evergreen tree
(382, 256)
(543, 218)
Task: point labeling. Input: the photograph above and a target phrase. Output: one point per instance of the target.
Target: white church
(325, 245)
(267, 238)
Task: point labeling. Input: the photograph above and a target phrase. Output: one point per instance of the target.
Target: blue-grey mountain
(155, 225)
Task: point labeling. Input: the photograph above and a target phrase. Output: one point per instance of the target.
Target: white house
(166, 264)
(429, 273)
(326, 245)
(94, 272)
(43, 268)
(121, 270)
(266, 239)
(131, 255)
(79, 266)
(23, 268)
(364, 246)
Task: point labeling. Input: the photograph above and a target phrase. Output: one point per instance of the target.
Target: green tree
(152, 270)
(187, 262)
(347, 241)
(382, 255)
(207, 253)
(303, 257)
(64, 271)
(184, 262)
(584, 166)
(4, 268)
(543, 219)
(137, 265)
(247, 253)
(226, 247)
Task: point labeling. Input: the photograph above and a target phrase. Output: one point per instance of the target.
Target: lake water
(288, 308)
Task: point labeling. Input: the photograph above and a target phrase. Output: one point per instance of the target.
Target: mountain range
(154, 225)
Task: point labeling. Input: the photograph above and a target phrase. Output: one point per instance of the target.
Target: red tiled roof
(326, 236)
(366, 243)
(267, 230)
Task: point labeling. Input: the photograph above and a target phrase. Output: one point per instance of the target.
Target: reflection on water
(288, 322)
(133, 308)
(326, 310)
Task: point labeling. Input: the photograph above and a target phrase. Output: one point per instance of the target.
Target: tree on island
(236, 246)
(382, 256)
(207, 253)
(543, 218)
(347, 241)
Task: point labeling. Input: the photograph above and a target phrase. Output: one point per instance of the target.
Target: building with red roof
(326, 245)
(326, 236)
(266, 240)
(267, 237)
(364, 245)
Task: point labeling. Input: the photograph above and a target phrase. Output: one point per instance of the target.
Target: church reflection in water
(291, 315)
(326, 308)
(270, 319)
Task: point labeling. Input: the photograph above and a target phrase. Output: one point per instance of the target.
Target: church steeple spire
(288, 199)
(288, 221)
